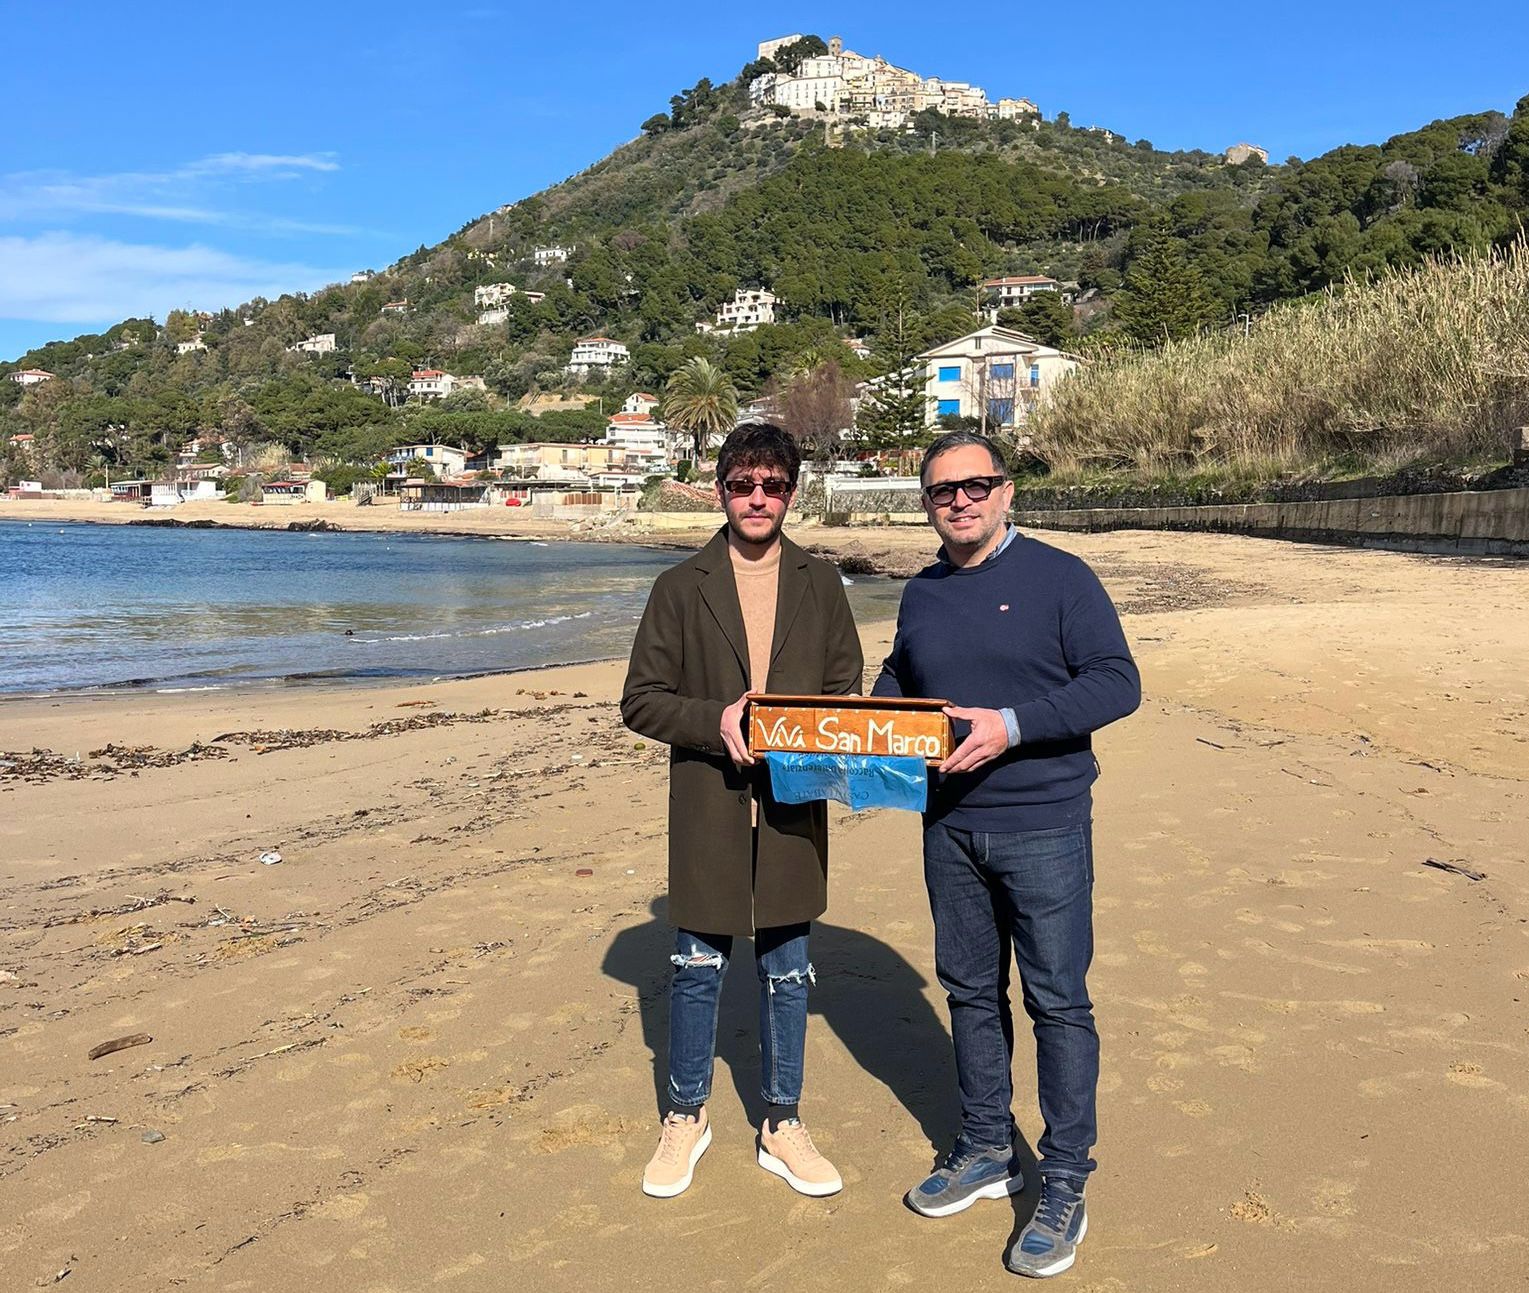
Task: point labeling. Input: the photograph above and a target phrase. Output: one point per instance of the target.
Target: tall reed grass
(1426, 365)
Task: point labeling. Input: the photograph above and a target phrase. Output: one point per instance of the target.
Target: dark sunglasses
(977, 488)
(746, 488)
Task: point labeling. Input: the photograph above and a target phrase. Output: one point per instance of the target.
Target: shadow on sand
(866, 992)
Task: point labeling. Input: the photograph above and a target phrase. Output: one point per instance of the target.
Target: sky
(199, 154)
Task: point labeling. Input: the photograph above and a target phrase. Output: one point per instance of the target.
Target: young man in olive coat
(750, 612)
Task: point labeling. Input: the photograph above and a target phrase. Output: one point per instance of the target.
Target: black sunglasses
(773, 488)
(976, 489)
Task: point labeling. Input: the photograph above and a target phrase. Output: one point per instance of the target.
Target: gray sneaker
(1049, 1244)
(964, 1176)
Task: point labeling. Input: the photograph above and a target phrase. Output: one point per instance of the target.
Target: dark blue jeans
(700, 962)
(1032, 891)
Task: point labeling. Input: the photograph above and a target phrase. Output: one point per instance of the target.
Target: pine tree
(1510, 165)
(1164, 297)
(893, 409)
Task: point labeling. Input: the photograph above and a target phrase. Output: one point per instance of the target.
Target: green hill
(886, 226)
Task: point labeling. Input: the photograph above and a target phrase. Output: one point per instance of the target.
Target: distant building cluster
(844, 84)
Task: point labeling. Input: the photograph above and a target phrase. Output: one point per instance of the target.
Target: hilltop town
(869, 91)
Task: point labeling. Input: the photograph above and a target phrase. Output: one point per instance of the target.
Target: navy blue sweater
(1031, 628)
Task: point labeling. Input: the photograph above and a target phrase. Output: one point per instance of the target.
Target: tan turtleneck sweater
(758, 584)
(758, 588)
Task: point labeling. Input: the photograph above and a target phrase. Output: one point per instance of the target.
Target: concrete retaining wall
(1492, 521)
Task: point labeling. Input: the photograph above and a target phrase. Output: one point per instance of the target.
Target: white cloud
(69, 278)
(220, 162)
(186, 193)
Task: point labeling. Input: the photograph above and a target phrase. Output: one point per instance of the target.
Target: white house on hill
(490, 294)
(433, 384)
(1017, 289)
(750, 308)
(595, 353)
(493, 300)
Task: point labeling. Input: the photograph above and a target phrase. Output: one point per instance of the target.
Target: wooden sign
(850, 725)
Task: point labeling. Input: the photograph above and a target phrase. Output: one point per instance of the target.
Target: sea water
(111, 607)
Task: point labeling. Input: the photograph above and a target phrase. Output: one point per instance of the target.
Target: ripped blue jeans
(700, 962)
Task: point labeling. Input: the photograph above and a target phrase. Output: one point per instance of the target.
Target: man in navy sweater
(1025, 641)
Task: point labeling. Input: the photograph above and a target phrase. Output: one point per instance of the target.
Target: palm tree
(700, 400)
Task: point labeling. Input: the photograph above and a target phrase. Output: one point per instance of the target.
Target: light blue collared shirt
(1010, 722)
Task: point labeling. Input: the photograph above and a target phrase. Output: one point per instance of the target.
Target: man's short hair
(759, 444)
(960, 440)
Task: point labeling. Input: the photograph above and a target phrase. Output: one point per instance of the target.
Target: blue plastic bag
(859, 780)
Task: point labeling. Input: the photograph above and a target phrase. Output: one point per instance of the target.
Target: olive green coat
(689, 662)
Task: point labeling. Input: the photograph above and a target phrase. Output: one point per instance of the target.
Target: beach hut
(283, 492)
(442, 495)
(131, 491)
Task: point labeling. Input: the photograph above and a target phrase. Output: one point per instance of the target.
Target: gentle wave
(475, 633)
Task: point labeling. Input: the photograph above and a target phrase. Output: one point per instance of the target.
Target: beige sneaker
(790, 1154)
(680, 1147)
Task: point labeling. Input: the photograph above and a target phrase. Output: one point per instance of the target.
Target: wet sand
(421, 1048)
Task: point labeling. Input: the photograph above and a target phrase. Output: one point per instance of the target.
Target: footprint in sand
(1462, 1073)
(1236, 1056)
(584, 1124)
(1148, 941)
(1175, 1060)
(1335, 1198)
(342, 1207)
(417, 1070)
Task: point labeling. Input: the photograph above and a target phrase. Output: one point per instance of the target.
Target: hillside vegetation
(885, 237)
(1429, 366)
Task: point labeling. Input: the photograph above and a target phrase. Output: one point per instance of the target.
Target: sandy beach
(421, 1049)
